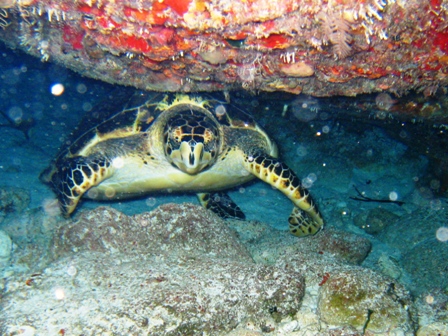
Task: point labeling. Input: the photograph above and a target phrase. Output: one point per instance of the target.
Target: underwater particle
(242, 190)
(326, 129)
(309, 180)
(429, 299)
(220, 111)
(434, 184)
(81, 88)
(109, 192)
(305, 108)
(92, 193)
(16, 114)
(442, 234)
(150, 201)
(57, 89)
(301, 151)
(87, 107)
(118, 163)
(393, 196)
(384, 101)
(71, 270)
(59, 294)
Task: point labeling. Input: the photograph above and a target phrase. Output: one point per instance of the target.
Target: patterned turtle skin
(145, 143)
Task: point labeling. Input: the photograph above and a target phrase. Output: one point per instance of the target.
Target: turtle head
(192, 141)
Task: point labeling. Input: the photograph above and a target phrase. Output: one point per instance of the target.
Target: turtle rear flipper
(75, 176)
(302, 225)
(305, 218)
(221, 204)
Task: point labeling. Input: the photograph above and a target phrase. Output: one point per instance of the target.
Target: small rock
(182, 230)
(5, 249)
(389, 266)
(366, 301)
(437, 328)
(431, 256)
(375, 220)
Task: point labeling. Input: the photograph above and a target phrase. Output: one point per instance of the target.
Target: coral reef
(315, 47)
(176, 270)
(181, 270)
(375, 306)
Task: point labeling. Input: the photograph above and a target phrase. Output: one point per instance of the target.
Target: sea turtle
(154, 142)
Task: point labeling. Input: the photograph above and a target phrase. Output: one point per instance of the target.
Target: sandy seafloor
(331, 153)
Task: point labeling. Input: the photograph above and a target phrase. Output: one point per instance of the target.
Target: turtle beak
(191, 157)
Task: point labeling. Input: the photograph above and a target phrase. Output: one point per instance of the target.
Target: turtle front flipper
(305, 218)
(75, 176)
(221, 204)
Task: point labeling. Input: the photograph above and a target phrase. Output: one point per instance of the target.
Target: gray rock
(178, 270)
(172, 229)
(375, 220)
(427, 263)
(413, 228)
(267, 244)
(96, 293)
(366, 301)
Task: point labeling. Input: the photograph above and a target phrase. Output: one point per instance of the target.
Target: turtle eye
(191, 142)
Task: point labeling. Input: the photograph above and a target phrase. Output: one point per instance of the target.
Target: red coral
(325, 278)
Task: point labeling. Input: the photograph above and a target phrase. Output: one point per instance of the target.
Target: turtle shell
(122, 115)
(126, 112)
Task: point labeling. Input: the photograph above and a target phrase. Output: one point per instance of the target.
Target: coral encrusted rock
(178, 270)
(365, 301)
(177, 230)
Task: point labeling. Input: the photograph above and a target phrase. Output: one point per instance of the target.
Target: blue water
(337, 146)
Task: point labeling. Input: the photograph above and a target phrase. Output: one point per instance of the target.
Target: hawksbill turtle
(154, 142)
